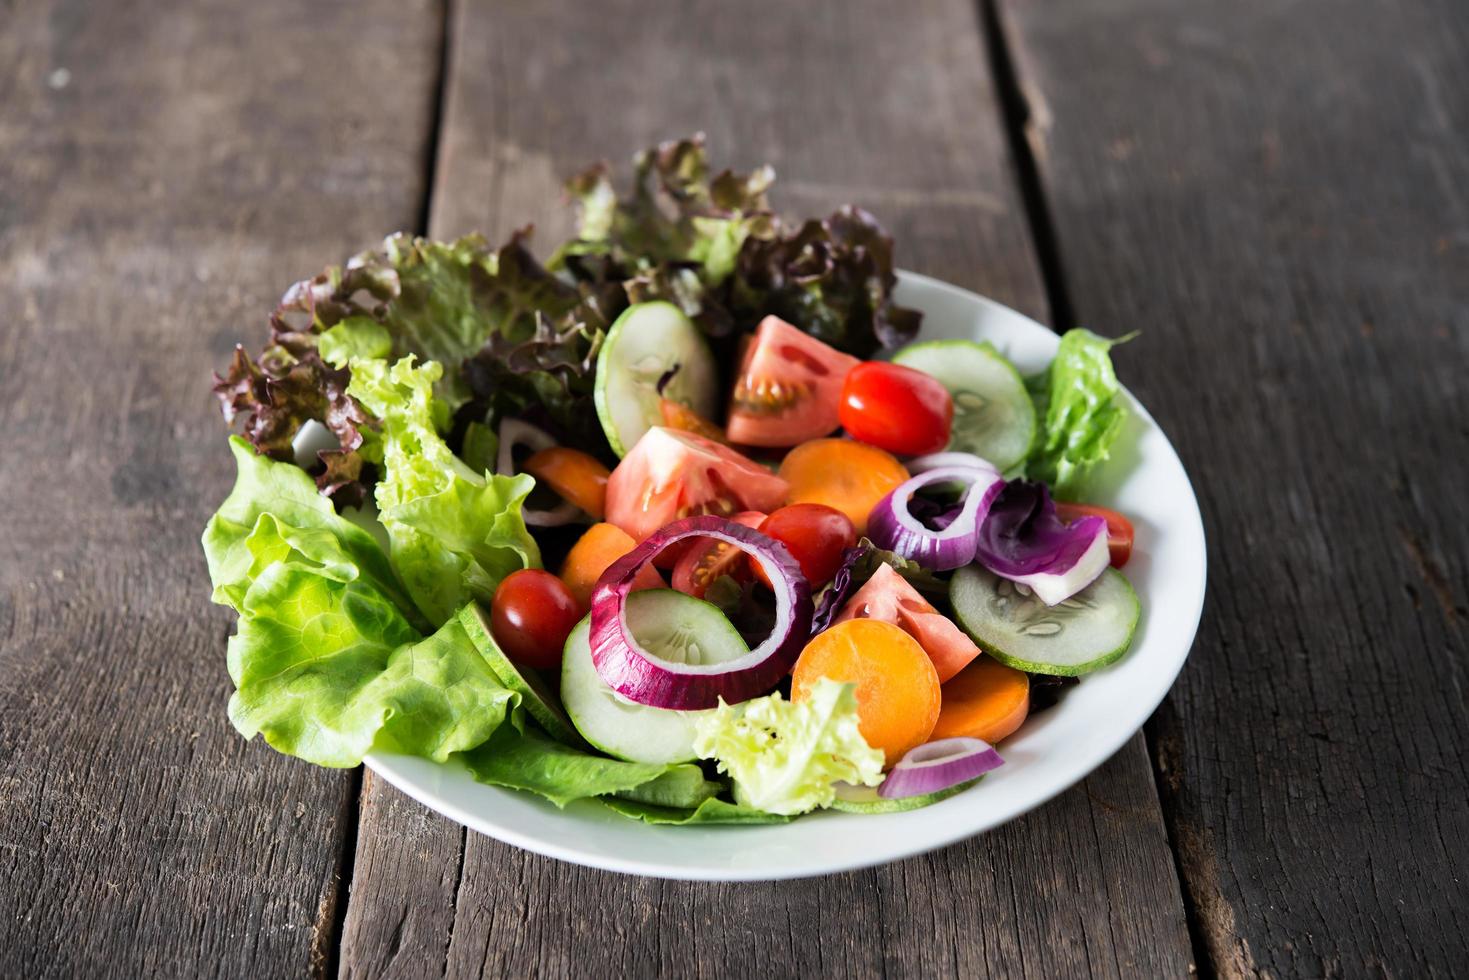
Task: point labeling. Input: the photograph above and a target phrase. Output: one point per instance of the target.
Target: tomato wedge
(708, 558)
(670, 475)
(1119, 528)
(788, 388)
(888, 597)
(574, 475)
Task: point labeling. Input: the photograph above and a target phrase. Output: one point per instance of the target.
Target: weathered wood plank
(1274, 194)
(852, 102)
(165, 172)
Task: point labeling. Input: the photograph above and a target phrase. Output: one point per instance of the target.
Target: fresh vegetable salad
(682, 521)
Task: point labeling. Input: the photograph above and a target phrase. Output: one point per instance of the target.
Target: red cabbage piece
(1022, 534)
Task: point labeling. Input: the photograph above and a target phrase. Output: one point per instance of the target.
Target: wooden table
(1276, 194)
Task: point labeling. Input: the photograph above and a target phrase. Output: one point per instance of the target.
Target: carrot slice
(677, 416)
(600, 546)
(574, 475)
(898, 696)
(847, 475)
(986, 700)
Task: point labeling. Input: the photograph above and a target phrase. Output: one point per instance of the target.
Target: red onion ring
(513, 433)
(934, 460)
(938, 765)
(891, 524)
(639, 676)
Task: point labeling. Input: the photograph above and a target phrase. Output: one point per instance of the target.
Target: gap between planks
(1025, 123)
(330, 965)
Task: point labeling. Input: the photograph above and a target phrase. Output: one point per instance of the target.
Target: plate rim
(399, 770)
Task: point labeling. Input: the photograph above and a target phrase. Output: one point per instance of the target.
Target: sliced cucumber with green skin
(535, 695)
(672, 625)
(647, 342)
(864, 799)
(1089, 630)
(994, 417)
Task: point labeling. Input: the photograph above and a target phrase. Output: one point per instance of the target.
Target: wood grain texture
(166, 170)
(855, 102)
(1274, 194)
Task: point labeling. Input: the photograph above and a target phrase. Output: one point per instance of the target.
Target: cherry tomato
(531, 617)
(896, 408)
(1119, 528)
(574, 475)
(705, 559)
(815, 534)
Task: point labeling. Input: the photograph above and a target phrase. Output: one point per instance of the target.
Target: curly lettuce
(785, 756)
(1076, 401)
(454, 533)
(710, 244)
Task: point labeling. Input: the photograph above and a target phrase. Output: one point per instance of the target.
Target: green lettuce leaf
(783, 755)
(328, 671)
(530, 760)
(275, 515)
(454, 534)
(1076, 402)
(356, 336)
(711, 811)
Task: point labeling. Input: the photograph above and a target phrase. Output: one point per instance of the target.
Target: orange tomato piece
(986, 700)
(898, 694)
(888, 596)
(600, 546)
(850, 476)
(574, 475)
(678, 416)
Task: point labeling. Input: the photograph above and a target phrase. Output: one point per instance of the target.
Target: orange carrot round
(847, 475)
(985, 700)
(897, 686)
(600, 546)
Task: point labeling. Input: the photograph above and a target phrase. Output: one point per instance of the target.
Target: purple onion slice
(893, 525)
(936, 766)
(641, 676)
(515, 433)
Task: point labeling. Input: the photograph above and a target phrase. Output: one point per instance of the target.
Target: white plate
(1050, 753)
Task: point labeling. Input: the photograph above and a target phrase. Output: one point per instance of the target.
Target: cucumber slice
(675, 627)
(864, 799)
(535, 694)
(1089, 630)
(994, 417)
(647, 341)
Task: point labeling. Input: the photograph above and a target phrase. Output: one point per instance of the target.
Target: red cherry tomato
(531, 617)
(1119, 528)
(896, 408)
(815, 534)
